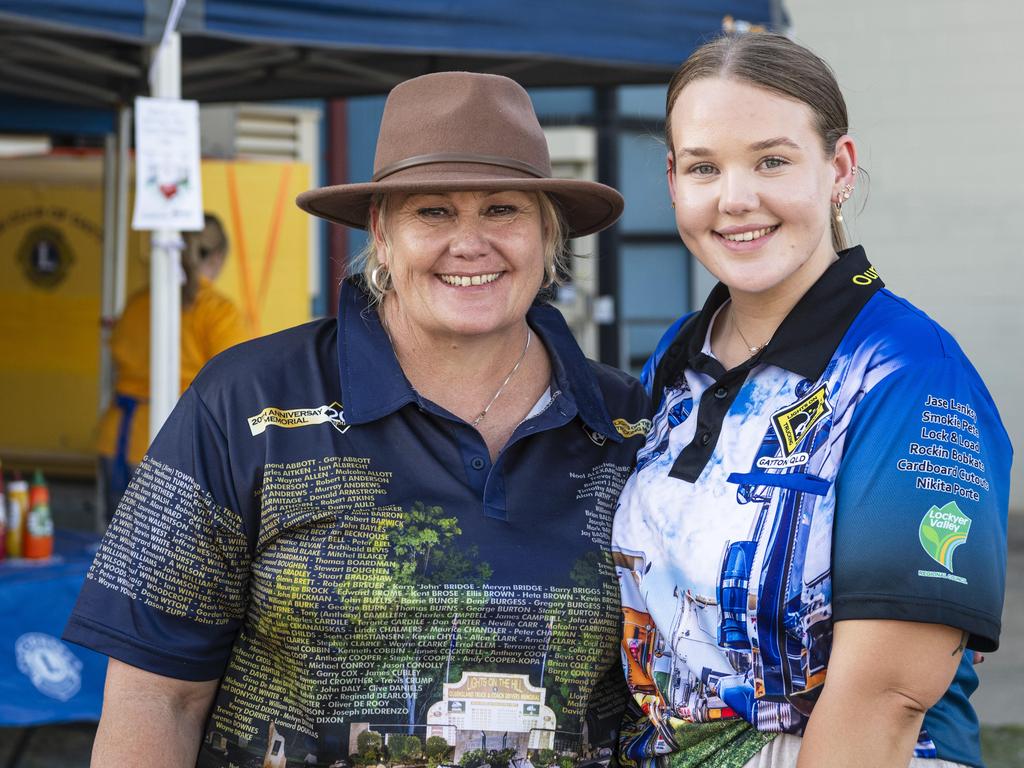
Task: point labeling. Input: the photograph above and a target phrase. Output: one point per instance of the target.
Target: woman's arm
(149, 719)
(882, 678)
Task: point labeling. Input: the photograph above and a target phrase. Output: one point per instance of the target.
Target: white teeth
(742, 237)
(464, 281)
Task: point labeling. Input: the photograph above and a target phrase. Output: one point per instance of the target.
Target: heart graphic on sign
(168, 190)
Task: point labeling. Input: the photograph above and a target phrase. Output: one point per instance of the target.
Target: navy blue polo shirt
(856, 468)
(344, 556)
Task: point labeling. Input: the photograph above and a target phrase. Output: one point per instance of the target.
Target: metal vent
(258, 132)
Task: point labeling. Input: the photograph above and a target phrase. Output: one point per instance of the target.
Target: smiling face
(753, 186)
(462, 263)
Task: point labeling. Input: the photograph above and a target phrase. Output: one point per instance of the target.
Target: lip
(744, 246)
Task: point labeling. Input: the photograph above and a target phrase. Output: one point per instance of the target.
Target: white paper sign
(168, 192)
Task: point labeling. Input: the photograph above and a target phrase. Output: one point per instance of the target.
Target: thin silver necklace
(478, 419)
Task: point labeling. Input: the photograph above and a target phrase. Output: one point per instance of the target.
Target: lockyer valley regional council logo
(942, 531)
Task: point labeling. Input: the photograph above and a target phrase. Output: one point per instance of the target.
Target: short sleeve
(168, 588)
(921, 504)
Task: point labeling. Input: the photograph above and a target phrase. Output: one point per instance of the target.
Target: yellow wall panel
(50, 316)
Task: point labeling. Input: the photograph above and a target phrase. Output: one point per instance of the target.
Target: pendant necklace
(753, 348)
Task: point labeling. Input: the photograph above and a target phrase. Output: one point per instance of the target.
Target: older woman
(816, 528)
(384, 538)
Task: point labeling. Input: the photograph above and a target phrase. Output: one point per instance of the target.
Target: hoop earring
(842, 197)
(380, 278)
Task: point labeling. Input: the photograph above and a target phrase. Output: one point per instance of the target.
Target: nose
(468, 240)
(738, 193)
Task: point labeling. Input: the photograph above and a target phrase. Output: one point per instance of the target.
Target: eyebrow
(778, 141)
(757, 146)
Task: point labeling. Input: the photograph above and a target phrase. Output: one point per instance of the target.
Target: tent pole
(107, 312)
(114, 272)
(124, 126)
(165, 267)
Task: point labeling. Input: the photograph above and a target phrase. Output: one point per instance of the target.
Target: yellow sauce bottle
(17, 506)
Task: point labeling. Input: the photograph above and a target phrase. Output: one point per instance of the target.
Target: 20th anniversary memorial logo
(298, 417)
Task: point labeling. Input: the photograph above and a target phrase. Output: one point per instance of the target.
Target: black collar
(807, 338)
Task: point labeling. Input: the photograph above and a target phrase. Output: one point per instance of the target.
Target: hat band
(456, 157)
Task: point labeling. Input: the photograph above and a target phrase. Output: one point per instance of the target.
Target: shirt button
(705, 438)
(477, 463)
(721, 393)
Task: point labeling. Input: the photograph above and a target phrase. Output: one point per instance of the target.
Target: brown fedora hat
(463, 131)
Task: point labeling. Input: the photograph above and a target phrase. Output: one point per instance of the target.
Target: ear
(375, 233)
(844, 165)
(670, 172)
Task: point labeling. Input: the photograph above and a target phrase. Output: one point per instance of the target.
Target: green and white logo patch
(942, 530)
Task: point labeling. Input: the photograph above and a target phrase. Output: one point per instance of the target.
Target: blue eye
(502, 210)
(771, 163)
(432, 213)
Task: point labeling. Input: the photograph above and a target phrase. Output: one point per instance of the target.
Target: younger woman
(815, 531)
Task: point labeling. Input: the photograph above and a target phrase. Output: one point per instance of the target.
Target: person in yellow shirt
(210, 323)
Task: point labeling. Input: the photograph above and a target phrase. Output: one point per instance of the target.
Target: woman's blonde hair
(553, 226)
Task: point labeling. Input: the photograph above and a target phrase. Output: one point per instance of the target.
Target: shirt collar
(808, 337)
(373, 384)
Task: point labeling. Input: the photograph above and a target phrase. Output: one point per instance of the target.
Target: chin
(471, 326)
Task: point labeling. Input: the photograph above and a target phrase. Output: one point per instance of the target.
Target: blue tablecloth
(42, 678)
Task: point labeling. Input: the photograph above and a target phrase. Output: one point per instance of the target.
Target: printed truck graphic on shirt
(942, 530)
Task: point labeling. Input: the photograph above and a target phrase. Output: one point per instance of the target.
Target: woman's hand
(882, 678)
(149, 719)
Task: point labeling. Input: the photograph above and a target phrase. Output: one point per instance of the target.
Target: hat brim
(588, 206)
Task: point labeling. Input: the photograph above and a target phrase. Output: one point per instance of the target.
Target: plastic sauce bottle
(39, 524)
(17, 504)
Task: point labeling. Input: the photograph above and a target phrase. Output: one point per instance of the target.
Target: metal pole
(165, 267)
(778, 17)
(120, 278)
(107, 311)
(107, 315)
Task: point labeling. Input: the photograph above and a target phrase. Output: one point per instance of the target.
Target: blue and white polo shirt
(856, 468)
(366, 584)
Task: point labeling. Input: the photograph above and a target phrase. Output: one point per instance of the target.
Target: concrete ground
(999, 699)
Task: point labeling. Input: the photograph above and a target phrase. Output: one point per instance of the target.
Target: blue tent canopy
(94, 51)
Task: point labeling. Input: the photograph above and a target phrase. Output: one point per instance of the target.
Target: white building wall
(934, 93)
